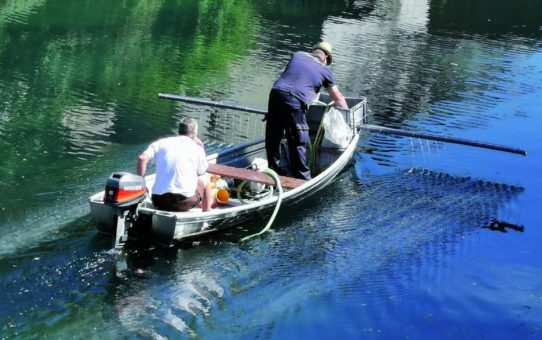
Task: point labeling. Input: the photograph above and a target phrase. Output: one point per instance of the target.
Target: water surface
(416, 239)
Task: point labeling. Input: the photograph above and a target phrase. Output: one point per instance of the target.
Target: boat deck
(253, 176)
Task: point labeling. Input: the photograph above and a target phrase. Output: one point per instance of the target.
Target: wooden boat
(260, 195)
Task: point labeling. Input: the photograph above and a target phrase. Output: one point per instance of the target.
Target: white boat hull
(164, 227)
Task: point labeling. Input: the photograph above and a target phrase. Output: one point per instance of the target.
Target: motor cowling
(124, 189)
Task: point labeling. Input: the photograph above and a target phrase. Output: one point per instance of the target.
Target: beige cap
(326, 47)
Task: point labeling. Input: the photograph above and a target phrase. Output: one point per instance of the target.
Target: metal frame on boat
(142, 219)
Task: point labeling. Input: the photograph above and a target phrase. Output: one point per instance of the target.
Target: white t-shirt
(179, 161)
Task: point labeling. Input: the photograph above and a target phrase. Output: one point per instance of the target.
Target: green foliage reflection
(76, 75)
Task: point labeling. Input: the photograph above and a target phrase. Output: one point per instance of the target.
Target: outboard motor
(123, 192)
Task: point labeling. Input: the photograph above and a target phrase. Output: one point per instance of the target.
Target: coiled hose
(276, 178)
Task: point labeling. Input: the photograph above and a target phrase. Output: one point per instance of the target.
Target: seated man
(180, 160)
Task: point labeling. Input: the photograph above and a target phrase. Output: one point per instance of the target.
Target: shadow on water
(504, 227)
(347, 236)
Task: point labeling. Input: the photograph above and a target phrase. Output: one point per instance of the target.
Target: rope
(275, 177)
(315, 146)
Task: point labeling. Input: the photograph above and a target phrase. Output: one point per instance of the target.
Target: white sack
(337, 133)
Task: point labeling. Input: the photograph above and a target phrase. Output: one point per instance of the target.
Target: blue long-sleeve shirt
(304, 76)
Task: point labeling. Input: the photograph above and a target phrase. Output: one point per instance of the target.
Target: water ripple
(17, 12)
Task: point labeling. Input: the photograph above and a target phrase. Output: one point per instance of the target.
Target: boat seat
(252, 176)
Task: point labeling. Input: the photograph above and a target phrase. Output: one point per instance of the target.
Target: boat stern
(102, 215)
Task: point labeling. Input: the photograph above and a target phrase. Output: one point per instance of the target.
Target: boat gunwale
(212, 215)
(199, 216)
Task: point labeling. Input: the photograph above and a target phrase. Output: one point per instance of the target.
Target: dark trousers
(178, 202)
(286, 116)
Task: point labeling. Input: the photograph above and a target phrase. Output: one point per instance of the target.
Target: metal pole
(209, 103)
(446, 139)
(366, 127)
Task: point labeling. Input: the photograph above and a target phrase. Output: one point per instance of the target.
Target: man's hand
(199, 142)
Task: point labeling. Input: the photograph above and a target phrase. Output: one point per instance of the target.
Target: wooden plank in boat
(252, 176)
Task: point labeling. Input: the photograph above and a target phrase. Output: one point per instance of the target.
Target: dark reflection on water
(382, 252)
(518, 18)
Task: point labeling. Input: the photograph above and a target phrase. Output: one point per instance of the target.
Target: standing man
(179, 160)
(289, 100)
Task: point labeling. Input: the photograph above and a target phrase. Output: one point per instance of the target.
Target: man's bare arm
(142, 161)
(337, 97)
